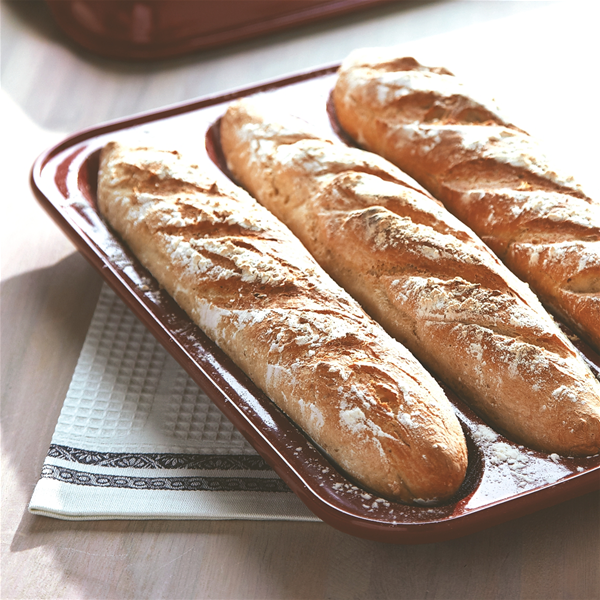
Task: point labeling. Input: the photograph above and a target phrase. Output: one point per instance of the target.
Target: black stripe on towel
(209, 484)
(129, 460)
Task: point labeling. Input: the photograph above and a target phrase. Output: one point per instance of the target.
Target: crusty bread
(487, 172)
(423, 275)
(254, 289)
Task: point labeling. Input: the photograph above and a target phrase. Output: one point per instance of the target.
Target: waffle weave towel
(137, 439)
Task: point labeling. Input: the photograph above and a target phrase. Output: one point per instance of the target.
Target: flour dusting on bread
(244, 279)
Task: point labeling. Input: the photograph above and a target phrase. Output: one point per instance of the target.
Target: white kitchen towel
(138, 439)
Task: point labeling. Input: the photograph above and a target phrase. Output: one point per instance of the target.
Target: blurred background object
(154, 29)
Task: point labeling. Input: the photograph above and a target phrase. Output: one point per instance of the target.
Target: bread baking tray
(504, 480)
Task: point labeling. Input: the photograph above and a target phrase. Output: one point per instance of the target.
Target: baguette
(252, 287)
(487, 172)
(423, 275)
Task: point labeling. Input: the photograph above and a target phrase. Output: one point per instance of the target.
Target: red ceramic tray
(504, 480)
(156, 29)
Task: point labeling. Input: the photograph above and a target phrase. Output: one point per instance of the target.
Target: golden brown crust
(423, 275)
(254, 289)
(486, 171)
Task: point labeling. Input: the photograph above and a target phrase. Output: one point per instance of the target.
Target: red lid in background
(155, 29)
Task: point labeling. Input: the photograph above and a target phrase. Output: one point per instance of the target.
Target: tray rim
(476, 519)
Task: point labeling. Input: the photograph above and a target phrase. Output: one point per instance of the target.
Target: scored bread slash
(252, 287)
(423, 275)
(489, 173)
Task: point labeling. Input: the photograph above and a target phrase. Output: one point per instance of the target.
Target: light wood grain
(49, 292)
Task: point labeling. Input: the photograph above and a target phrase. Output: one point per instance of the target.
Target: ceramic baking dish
(504, 480)
(157, 29)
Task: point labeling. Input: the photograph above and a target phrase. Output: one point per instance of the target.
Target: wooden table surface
(542, 58)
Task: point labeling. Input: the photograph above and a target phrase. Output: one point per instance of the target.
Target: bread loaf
(487, 172)
(254, 289)
(423, 275)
